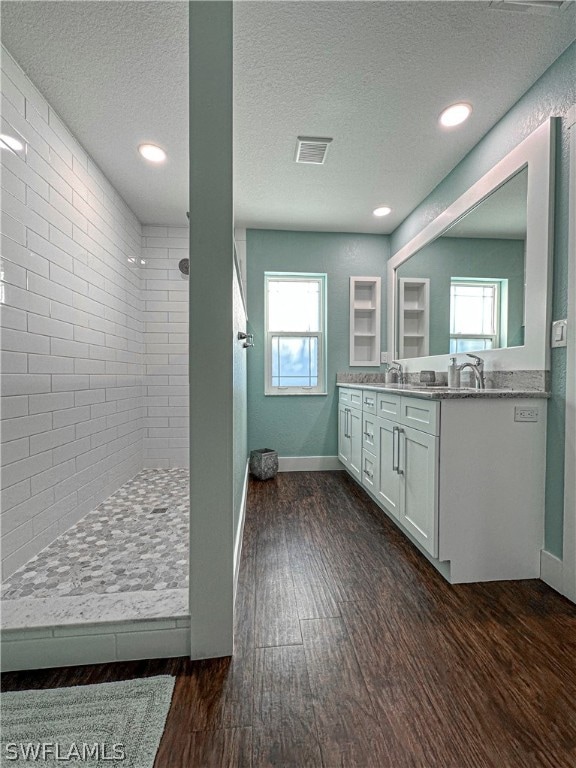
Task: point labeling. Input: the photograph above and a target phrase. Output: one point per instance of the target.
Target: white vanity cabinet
(395, 462)
(418, 471)
(370, 447)
(462, 476)
(407, 479)
(350, 431)
(387, 479)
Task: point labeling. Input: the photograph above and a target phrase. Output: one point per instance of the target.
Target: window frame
(476, 283)
(320, 335)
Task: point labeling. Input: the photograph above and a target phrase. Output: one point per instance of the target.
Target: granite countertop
(447, 393)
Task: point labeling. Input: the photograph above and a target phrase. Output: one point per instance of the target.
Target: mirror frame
(537, 152)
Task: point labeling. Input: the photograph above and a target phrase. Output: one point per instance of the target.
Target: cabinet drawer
(369, 401)
(420, 414)
(369, 467)
(352, 397)
(369, 432)
(387, 405)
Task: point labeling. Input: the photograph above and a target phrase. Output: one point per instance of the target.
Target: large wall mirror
(477, 278)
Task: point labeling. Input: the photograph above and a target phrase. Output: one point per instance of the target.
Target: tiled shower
(94, 343)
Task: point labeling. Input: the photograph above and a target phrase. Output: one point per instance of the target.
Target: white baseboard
(240, 529)
(308, 463)
(551, 571)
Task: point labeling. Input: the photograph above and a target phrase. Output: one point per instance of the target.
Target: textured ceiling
(373, 76)
(117, 73)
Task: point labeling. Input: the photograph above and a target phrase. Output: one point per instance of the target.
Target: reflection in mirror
(464, 291)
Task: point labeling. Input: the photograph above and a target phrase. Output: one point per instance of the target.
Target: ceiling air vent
(311, 150)
(544, 7)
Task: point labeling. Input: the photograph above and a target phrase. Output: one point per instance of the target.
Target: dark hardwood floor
(351, 650)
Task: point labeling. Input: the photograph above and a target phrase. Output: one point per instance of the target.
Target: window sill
(295, 394)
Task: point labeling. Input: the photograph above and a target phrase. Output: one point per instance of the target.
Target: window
(474, 315)
(295, 357)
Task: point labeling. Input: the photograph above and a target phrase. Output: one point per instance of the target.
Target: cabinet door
(419, 486)
(344, 443)
(387, 488)
(355, 432)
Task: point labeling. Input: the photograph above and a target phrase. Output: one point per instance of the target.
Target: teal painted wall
(212, 397)
(305, 425)
(240, 404)
(449, 257)
(553, 94)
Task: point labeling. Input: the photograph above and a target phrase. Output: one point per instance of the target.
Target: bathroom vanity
(460, 472)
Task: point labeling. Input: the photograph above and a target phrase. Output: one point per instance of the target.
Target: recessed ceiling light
(383, 210)
(11, 142)
(455, 114)
(152, 152)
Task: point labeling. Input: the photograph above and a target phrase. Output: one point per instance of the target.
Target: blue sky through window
(294, 361)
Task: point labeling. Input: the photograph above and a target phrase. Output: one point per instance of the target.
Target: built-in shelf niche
(365, 323)
(413, 316)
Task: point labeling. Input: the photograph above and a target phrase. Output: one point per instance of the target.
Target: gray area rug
(97, 725)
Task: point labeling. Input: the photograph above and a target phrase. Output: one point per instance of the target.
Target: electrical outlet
(384, 357)
(522, 413)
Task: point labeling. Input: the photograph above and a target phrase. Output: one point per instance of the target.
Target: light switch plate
(559, 330)
(384, 357)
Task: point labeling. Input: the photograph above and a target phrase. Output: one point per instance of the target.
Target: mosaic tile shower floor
(121, 546)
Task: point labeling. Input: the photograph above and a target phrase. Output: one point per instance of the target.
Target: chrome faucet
(477, 368)
(398, 366)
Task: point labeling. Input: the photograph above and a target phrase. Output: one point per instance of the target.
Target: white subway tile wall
(165, 294)
(76, 414)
